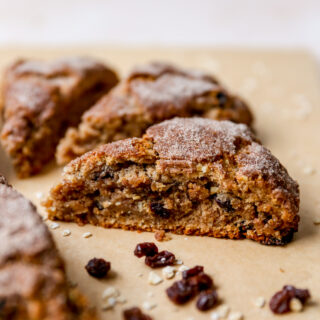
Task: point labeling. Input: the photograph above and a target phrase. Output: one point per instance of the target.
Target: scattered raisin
(192, 272)
(158, 209)
(181, 292)
(222, 98)
(207, 299)
(135, 314)
(201, 281)
(98, 268)
(145, 249)
(224, 203)
(161, 259)
(280, 302)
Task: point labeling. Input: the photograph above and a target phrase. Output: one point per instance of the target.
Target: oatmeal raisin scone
(185, 175)
(41, 100)
(33, 284)
(150, 94)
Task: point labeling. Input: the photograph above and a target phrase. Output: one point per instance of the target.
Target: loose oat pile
(191, 176)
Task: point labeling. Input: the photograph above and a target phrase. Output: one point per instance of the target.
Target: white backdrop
(276, 23)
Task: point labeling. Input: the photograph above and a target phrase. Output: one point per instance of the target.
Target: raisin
(104, 174)
(98, 268)
(159, 210)
(98, 205)
(224, 203)
(192, 272)
(161, 259)
(181, 292)
(302, 294)
(145, 249)
(207, 299)
(280, 302)
(201, 281)
(222, 98)
(135, 314)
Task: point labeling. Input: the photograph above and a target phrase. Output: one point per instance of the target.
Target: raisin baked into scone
(185, 175)
(41, 100)
(150, 94)
(33, 285)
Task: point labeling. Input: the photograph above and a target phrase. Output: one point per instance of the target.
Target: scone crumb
(309, 170)
(224, 311)
(87, 235)
(148, 305)
(54, 225)
(296, 305)
(178, 261)
(215, 316)
(169, 272)
(235, 316)
(183, 268)
(160, 235)
(39, 195)
(66, 232)
(121, 300)
(259, 302)
(110, 292)
(109, 304)
(154, 278)
(316, 221)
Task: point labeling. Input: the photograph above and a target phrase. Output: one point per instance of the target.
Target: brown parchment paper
(283, 91)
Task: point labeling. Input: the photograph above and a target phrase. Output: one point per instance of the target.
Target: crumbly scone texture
(150, 94)
(185, 175)
(33, 285)
(41, 100)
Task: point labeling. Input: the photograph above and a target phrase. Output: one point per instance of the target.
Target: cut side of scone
(185, 175)
(150, 94)
(41, 100)
(33, 284)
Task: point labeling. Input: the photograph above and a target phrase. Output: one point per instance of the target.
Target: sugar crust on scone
(150, 94)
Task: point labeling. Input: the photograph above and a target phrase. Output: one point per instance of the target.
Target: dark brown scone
(150, 94)
(41, 100)
(186, 175)
(33, 285)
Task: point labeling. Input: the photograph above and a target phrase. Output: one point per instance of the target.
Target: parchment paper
(283, 91)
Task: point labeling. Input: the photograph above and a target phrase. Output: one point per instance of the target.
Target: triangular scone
(33, 285)
(186, 175)
(150, 94)
(41, 100)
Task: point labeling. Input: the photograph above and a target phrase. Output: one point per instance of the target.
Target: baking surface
(282, 89)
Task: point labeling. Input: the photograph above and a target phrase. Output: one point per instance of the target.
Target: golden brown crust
(150, 94)
(191, 176)
(32, 277)
(42, 99)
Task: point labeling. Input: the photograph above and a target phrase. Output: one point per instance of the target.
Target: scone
(33, 284)
(41, 100)
(150, 94)
(185, 175)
